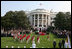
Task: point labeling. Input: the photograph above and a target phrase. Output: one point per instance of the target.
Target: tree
(50, 28)
(23, 21)
(6, 20)
(68, 21)
(17, 19)
(63, 21)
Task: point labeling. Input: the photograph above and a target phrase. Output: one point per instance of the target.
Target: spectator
(54, 43)
(60, 44)
(66, 42)
(63, 42)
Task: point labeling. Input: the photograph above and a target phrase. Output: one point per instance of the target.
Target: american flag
(40, 4)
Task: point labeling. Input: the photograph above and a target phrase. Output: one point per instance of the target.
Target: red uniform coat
(27, 37)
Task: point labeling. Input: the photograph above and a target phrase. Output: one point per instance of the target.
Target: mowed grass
(44, 42)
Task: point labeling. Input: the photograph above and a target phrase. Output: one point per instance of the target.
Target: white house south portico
(40, 18)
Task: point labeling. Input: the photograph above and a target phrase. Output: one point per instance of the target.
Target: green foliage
(49, 29)
(17, 19)
(63, 21)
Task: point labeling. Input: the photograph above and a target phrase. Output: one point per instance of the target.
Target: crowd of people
(61, 33)
(9, 32)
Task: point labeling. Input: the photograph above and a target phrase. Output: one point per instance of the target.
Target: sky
(56, 6)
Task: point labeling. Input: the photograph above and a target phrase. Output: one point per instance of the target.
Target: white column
(46, 21)
(38, 20)
(42, 20)
(34, 19)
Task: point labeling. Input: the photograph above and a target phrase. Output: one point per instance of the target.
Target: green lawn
(9, 41)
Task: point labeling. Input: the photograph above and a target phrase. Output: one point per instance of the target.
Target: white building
(41, 18)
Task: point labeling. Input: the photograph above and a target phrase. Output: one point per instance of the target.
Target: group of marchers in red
(27, 38)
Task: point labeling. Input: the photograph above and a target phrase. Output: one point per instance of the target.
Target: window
(36, 15)
(44, 25)
(40, 25)
(40, 16)
(36, 25)
(33, 16)
(40, 22)
(36, 22)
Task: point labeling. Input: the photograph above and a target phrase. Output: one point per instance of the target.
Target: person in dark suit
(60, 44)
(63, 42)
(54, 43)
